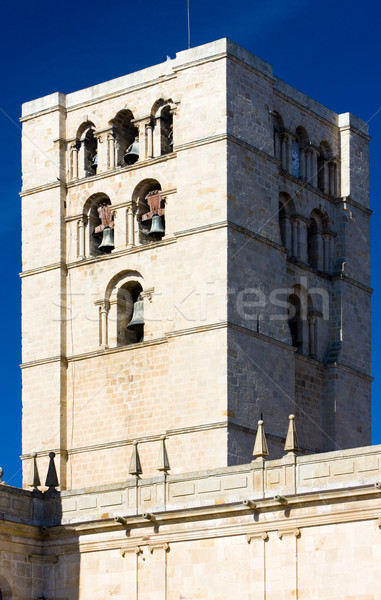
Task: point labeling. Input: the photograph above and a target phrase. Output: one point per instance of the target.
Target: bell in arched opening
(137, 320)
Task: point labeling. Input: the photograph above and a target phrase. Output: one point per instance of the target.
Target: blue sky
(329, 50)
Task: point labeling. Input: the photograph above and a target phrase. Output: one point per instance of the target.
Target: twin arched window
(298, 156)
(302, 321)
(126, 140)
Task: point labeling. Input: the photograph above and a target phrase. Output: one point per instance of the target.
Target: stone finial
(51, 478)
(34, 477)
(135, 467)
(163, 461)
(1, 475)
(292, 444)
(260, 445)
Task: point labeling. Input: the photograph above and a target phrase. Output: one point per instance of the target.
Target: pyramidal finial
(163, 461)
(51, 478)
(260, 445)
(292, 444)
(34, 477)
(135, 464)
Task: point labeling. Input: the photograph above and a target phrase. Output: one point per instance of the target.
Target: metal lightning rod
(188, 24)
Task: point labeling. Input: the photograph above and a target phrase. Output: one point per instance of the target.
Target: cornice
(38, 270)
(305, 109)
(262, 506)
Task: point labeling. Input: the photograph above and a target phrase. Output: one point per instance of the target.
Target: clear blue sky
(329, 50)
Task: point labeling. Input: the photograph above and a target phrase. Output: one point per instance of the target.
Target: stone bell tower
(195, 254)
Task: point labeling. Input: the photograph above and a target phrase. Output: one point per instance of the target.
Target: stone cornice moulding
(94, 101)
(234, 510)
(303, 108)
(44, 269)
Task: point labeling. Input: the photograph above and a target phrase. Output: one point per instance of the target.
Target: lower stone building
(298, 527)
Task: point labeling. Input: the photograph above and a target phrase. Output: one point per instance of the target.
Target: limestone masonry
(195, 261)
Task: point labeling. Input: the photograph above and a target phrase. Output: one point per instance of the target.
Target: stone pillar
(288, 227)
(149, 140)
(303, 241)
(294, 228)
(326, 177)
(103, 324)
(111, 151)
(284, 153)
(312, 335)
(74, 162)
(130, 227)
(326, 253)
(332, 186)
(82, 237)
(314, 155)
(289, 139)
(143, 145)
(308, 166)
(303, 174)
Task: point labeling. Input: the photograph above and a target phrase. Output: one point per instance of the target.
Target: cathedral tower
(195, 254)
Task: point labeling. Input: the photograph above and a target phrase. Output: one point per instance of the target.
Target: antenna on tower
(188, 24)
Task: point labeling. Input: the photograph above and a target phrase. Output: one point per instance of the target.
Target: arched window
(320, 241)
(100, 225)
(150, 211)
(87, 151)
(282, 224)
(327, 170)
(288, 230)
(295, 321)
(302, 322)
(130, 314)
(162, 121)
(126, 136)
(121, 311)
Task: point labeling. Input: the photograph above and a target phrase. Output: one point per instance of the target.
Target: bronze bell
(107, 243)
(137, 320)
(94, 163)
(132, 153)
(156, 226)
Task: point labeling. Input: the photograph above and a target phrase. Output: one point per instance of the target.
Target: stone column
(149, 140)
(111, 151)
(326, 177)
(302, 155)
(312, 335)
(332, 179)
(142, 126)
(74, 162)
(284, 153)
(103, 324)
(308, 165)
(314, 155)
(130, 227)
(294, 228)
(289, 139)
(303, 241)
(82, 237)
(326, 253)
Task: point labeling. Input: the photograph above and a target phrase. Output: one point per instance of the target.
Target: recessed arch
(91, 211)
(126, 135)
